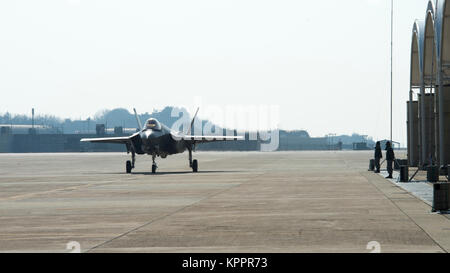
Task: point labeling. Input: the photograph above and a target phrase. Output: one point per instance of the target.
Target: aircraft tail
(192, 122)
(138, 120)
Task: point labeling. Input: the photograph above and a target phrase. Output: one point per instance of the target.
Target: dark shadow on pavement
(172, 173)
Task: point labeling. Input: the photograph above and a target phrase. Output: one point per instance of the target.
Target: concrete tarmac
(238, 202)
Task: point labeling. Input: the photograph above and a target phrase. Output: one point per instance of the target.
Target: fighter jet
(158, 140)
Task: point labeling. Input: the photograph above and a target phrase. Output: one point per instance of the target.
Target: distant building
(20, 129)
(360, 146)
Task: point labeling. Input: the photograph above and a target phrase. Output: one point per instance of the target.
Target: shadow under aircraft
(156, 139)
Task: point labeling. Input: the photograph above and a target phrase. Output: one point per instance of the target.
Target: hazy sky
(325, 63)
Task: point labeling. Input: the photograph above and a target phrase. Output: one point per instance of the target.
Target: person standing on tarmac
(390, 157)
(378, 157)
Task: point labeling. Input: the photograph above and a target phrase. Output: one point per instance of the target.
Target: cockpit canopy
(153, 124)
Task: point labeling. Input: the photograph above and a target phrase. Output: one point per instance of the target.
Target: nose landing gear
(154, 166)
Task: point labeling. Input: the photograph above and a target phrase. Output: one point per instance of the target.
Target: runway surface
(238, 202)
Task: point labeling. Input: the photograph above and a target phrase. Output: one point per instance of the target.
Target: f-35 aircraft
(156, 139)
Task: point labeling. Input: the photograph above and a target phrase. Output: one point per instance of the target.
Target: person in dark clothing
(390, 157)
(378, 157)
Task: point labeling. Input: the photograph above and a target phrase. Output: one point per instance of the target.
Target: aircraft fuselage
(159, 142)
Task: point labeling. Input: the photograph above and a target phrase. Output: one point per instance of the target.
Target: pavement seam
(409, 217)
(34, 194)
(171, 213)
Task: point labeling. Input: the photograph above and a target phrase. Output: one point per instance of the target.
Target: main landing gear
(193, 163)
(130, 164)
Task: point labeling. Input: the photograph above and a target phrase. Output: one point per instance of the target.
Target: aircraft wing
(115, 140)
(204, 139)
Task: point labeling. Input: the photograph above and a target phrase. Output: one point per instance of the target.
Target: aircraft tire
(153, 168)
(128, 166)
(195, 166)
